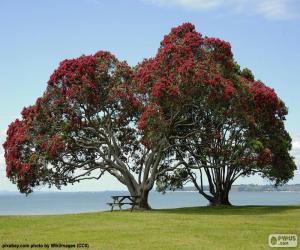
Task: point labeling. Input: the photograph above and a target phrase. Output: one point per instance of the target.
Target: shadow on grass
(230, 210)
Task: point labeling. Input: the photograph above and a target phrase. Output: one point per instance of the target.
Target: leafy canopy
(189, 107)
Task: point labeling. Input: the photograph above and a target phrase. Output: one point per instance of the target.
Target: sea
(46, 203)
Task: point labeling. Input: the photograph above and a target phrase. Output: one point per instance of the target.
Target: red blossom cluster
(74, 79)
(265, 156)
(229, 89)
(53, 146)
(181, 30)
(125, 93)
(184, 35)
(28, 111)
(186, 63)
(164, 86)
(263, 95)
(220, 44)
(17, 135)
(79, 71)
(219, 51)
(149, 111)
(80, 77)
(142, 76)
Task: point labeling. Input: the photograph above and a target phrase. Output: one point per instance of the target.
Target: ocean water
(79, 202)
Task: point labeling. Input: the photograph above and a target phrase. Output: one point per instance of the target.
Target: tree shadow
(230, 210)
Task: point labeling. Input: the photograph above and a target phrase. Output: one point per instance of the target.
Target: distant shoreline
(255, 188)
(266, 191)
(235, 188)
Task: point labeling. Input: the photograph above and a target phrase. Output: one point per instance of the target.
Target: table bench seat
(119, 201)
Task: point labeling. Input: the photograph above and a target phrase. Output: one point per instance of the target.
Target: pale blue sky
(36, 35)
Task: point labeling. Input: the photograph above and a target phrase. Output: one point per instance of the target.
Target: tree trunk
(143, 200)
(220, 198)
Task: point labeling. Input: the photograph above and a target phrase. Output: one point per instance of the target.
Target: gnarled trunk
(219, 192)
(220, 198)
(143, 192)
(143, 201)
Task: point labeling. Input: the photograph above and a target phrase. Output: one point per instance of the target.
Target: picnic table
(120, 200)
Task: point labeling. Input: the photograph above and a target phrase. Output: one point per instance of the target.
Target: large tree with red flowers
(221, 123)
(84, 125)
(188, 114)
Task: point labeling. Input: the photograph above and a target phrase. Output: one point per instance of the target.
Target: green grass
(241, 227)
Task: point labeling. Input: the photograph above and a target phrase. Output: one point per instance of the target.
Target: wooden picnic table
(120, 200)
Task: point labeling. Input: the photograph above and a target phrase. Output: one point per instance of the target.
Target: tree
(221, 122)
(84, 125)
(187, 113)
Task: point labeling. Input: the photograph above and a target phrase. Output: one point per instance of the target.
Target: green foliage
(247, 73)
(256, 145)
(172, 181)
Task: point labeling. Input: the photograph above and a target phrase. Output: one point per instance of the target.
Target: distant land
(255, 188)
(236, 188)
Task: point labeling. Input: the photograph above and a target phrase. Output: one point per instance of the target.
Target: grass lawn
(241, 227)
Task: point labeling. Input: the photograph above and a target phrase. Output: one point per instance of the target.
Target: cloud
(296, 149)
(296, 144)
(269, 9)
(2, 160)
(189, 4)
(296, 153)
(3, 133)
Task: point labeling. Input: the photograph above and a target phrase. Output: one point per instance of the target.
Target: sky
(36, 35)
